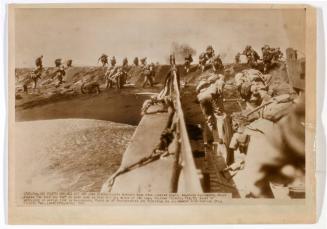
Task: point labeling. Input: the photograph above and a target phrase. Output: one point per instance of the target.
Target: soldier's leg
(151, 81)
(145, 81)
(34, 83)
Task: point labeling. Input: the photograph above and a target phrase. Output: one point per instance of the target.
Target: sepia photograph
(155, 105)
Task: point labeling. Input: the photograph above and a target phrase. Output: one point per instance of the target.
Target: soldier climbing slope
(112, 70)
(36, 74)
(104, 60)
(59, 74)
(38, 62)
(207, 60)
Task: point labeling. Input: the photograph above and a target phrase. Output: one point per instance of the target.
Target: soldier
(252, 87)
(239, 144)
(210, 52)
(136, 61)
(36, 74)
(59, 74)
(104, 60)
(211, 100)
(58, 62)
(266, 58)
(217, 64)
(285, 161)
(202, 61)
(118, 77)
(187, 63)
(251, 55)
(112, 70)
(147, 72)
(278, 55)
(125, 62)
(238, 58)
(38, 62)
(89, 88)
(69, 63)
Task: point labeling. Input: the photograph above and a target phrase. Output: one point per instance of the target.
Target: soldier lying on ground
(89, 88)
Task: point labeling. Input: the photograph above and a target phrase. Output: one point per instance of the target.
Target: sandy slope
(68, 154)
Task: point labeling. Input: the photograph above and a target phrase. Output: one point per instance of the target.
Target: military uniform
(104, 59)
(239, 144)
(187, 63)
(217, 64)
(59, 74)
(148, 72)
(57, 62)
(38, 62)
(252, 56)
(111, 71)
(136, 61)
(211, 101)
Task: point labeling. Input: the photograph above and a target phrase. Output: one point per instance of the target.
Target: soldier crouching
(210, 97)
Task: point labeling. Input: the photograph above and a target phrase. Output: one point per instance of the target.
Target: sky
(84, 34)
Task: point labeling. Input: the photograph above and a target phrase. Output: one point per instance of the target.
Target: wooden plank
(155, 176)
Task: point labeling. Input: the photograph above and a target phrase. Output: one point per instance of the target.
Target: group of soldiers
(207, 60)
(117, 75)
(58, 73)
(114, 75)
(270, 57)
(261, 102)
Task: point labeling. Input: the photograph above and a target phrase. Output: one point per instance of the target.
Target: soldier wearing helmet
(187, 63)
(210, 52)
(36, 74)
(104, 59)
(111, 71)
